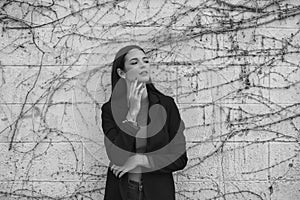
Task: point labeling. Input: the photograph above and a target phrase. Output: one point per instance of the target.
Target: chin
(144, 79)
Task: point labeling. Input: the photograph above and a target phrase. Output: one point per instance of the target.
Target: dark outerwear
(158, 184)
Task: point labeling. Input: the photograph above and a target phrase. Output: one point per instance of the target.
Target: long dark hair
(118, 63)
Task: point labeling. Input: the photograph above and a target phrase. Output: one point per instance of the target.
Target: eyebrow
(136, 58)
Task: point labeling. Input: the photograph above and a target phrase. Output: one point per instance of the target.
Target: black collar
(152, 96)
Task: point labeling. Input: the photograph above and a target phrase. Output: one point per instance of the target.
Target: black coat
(158, 184)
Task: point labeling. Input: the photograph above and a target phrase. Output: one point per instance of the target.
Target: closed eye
(134, 61)
(146, 60)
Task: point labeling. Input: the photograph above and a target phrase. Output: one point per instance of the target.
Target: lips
(143, 73)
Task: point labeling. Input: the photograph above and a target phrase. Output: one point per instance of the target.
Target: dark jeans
(135, 191)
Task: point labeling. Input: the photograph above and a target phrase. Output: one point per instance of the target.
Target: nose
(143, 65)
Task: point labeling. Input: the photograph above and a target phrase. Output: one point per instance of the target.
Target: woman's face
(137, 66)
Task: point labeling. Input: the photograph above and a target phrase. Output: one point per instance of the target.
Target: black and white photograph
(149, 99)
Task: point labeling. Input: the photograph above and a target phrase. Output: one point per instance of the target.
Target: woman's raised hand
(135, 95)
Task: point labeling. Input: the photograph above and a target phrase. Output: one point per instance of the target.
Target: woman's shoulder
(167, 100)
(105, 106)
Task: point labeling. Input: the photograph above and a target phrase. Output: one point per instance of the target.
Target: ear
(121, 73)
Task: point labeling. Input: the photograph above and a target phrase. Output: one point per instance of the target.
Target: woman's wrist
(131, 116)
(143, 160)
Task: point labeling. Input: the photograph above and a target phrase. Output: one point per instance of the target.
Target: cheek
(132, 74)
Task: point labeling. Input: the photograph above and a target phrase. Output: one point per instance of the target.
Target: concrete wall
(232, 67)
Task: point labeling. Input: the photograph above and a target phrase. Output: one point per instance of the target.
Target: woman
(143, 130)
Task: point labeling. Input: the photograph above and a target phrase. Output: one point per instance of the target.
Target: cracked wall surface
(232, 67)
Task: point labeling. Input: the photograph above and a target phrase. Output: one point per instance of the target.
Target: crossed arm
(120, 146)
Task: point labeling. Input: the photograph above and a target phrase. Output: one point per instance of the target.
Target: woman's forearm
(143, 160)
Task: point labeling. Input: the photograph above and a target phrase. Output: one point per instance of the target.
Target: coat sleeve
(119, 141)
(174, 157)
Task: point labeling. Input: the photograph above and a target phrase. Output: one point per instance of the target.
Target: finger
(113, 167)
(131, 88)
(136, 91)
(138, 88)
(143, 87)
(141, 91)
(122, 173)
(135, 83)
(118, 172)
(113, 170)
(116, 168)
